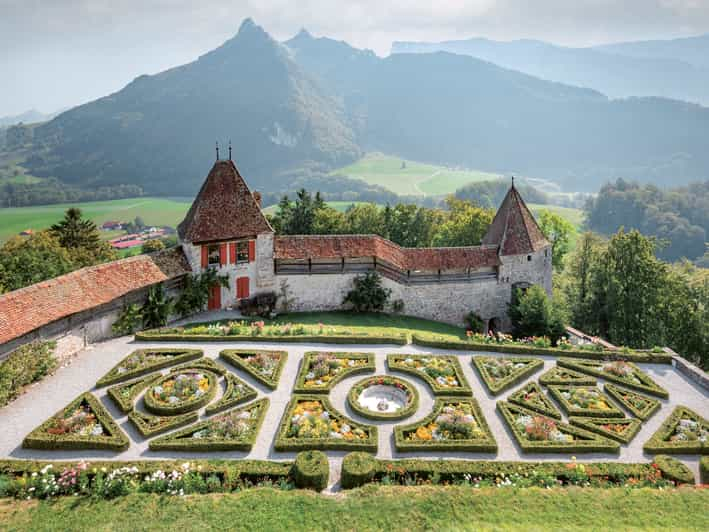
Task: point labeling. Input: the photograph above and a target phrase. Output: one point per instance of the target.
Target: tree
(368, 294)
(297, 218)
(25, 261)
(466, 224)
(363, 219)
(558, 232)
(157, 307)
(195, 291)
(154, 244)
(74, 231)
(533, 314)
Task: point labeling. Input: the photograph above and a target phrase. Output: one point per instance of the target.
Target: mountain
(692, 50)
(28, 117)
(606, 69)
(159, 131)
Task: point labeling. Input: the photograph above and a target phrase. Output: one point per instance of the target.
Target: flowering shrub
(539, 428)
(149, 425)
(79, 420)
(559, 375)
(311, 420)
(584, 401)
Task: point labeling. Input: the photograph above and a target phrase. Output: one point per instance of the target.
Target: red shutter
(232, 253)
(242, 287)
(222, 254)
(246, 286)
(252, 250)
(205, 257)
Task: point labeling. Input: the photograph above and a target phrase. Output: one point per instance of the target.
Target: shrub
(157, 401)
(129, 320)
(622, 430)
(586, 401)
(367, 294)
(264, 366)
(532, 397)
(475, 323)
(195, 291)
(157, 307)
(639, 405)
(263, 305)
(683, 432)
(311, 470)
(533, 314)
(125, 394)
(27, 364)
(149, 425)
(357, 469)
(237, 392)
(704, 469)
(673, 469)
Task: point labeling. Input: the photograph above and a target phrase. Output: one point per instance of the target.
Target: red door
(215, 298)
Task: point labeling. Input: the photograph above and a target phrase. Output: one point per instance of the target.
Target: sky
(56, 54)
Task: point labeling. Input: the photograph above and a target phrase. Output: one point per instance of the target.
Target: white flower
(310, 376)
(244, 415)
(157, 390)
(346, 428)
(351, 363)
(335, 435)
(97, 430)
(173, 399)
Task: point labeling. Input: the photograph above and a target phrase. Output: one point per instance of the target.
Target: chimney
(257, 197)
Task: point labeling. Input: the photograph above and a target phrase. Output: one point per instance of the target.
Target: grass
(374, 508)
(341, 206)
(574, 216)
(416, 178)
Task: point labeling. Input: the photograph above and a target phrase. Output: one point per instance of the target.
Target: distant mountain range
(310, 105)
(677, 69)
(28, 117)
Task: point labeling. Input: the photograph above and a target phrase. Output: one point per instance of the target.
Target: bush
(704, 470)
(475, 323)
(600, 425)
(263, 305)
(311, 470)
(129, 320)
(157, 307)
(533, 314)
(149, 425)
(368, 294)
(357, 469)
(239, 359)
(517, 375)
(195, 291)
(673, 469)
(29, 363)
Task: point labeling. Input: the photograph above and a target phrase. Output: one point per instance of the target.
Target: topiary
(367, 294)
(704, 470)
(311, 470)
(357, 469)
(673, 469)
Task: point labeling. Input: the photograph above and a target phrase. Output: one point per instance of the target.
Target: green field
(341, 206)
(573, 216)
(415, 179)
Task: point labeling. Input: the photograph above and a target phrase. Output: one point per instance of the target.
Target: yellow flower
(422, 433)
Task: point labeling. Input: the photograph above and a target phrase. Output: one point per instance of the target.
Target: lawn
(374, 508)
(416, 178)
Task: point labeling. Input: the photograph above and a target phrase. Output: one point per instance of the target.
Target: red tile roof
(27, 309)
(514, 228)
(357, 246)
(224, 209)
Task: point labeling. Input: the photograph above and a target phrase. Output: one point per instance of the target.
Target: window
(213, 254)
(242, 252)
(529, 258)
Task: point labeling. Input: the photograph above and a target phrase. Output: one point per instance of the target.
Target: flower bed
(499, 374)
(181, 391)
(674, 469)
(83, 424)
(584, 401)
(143, 361)
(625, 373)
(406, 393)
(149, 425)
(443, 373)
(237, 392)
(124, 395)
(264, 366)
(311, 422)
(622, 430)
(640, 406)
(541, 434)
(456, 424)
(683, 432)
(320, 371)
(565, 376)
(532, 397)
(234, 430)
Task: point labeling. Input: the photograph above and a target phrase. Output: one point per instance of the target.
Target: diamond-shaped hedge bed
(625, 373)
(149, 425)
(639, 405)
(584, 401)
(683, 432)
(531, 396)
(622, 430)
(500, 373)
(82, 424)
(144, 361)
(443, 373)
(264, 366)
(565, 376)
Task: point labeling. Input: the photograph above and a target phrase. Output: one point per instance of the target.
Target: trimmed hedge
(557, 375)
(301, 387)
(624, 397)
(594, 367)
(358, 468)
(659, 442)
(113, 438)
(396, 363)
(149, 425)
(589, 442)
(233, 356)
(124, 395)
(547, 408)
(181, 440)
(531, 365)
(311, 470)
(172, 356)
(285, 443)
(27, 364)
(573, 410)
(203, 363)
(673, 469)
(485, 444)
(395, 339)
(237, 392)
(704, 470)
(463, 345)
(195, 403)
(595, 424)
(357, 388)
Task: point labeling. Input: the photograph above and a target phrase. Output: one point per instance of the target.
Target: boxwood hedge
(704, 469)
(639, 381)
(355, 339)
(412, 397)
(311, 470)
(532, 397)
(569, 377)
(358, 468)
(662, 442)
(637, 404)
(398, 362)
(195, 403)
(600, 425)
(236, 357)
(310, 357)
(496, 386)
(571, 409)
(164, 358)
(673, 469)
(124, 395)
(149, 425)
(236, 392)
(203, 363)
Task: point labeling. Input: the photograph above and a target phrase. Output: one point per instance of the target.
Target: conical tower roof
(224, 209)
(514, 228)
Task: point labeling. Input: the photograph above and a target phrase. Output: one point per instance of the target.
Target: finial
(230, 149)
(513, 181)
(217, 150)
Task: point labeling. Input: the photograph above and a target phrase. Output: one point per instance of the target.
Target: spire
(217, 150)
(230, 149)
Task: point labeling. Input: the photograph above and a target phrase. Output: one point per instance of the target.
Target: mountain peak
(303, 34)
(248, 24)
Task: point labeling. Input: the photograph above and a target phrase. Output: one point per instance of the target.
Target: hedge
(547, 408)
(181, 440)
(396, 339)
(704, 469)
(172, 356)
(357, 388)
(287, 444)
(590, 443)
(149, 425)
(301, 387)
(27, 364)
(624, 398)
(531, 365)
(659, 442)
(593, 367)
(486, 444)
(463, 345)
(233, 356)
(395, 363)
(595, 424)
(573, 410)
(194, 403)
(358, 468)
(311, 470)
(203, 363)
(113, 438)
(673, 469)
(237, 392)
(125, 394)
(557, 375)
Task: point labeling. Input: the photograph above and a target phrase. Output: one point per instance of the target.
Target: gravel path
(45, 398)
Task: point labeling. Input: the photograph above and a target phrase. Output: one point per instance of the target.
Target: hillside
(692, 50)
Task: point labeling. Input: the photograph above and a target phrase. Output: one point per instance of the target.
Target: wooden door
(215, 298)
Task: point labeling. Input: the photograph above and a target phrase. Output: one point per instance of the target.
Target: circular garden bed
(383, 398)
(180, 392)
